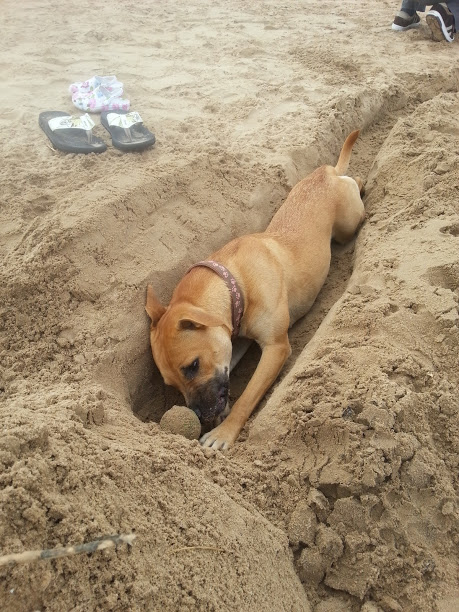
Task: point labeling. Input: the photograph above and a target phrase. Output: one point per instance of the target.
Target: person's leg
(411, 6)
(453, 6)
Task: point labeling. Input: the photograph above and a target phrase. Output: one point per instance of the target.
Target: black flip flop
(128, 133)
(71, 134)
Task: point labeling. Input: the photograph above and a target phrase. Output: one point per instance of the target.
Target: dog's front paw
(220, 438)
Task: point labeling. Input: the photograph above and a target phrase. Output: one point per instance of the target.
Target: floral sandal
(98, 94)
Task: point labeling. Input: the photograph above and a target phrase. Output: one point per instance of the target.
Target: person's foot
(403, 21)
(441, 23)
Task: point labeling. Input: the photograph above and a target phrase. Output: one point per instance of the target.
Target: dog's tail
(345, 155)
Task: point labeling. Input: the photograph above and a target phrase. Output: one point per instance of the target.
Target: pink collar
(237, 299)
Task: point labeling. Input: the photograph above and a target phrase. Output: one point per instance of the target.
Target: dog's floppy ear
(154, 309)
(196, 318)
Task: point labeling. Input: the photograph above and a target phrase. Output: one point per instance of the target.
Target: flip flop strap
(125, 121)
(70, 122)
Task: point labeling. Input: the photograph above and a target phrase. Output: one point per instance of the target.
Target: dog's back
(309, 207)
(322, 206)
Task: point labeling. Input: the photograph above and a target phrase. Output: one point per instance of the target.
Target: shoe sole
(399, 28)
(437, 27)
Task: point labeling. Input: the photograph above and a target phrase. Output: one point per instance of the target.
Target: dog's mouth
(210, 400)
(222, 400)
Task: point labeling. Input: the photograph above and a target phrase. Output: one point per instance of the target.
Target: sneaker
(403, 21)
(441, 23)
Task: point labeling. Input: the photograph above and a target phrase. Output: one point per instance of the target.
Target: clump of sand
(181, 420)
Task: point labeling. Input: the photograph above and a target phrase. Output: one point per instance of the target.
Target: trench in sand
(149, 397)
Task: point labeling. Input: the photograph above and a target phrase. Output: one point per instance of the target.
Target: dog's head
(192, 349)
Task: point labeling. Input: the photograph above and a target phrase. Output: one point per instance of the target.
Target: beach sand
(341, 494)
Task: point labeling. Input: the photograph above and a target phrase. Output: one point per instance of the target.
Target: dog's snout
(210, 399)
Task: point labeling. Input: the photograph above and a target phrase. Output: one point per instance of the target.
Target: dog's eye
(191, 370)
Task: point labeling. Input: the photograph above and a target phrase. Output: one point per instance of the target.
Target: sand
(341, 494)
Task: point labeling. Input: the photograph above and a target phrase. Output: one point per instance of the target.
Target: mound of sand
(341, 493)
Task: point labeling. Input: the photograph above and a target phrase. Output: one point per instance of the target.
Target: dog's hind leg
(350, 212)
(360, 185)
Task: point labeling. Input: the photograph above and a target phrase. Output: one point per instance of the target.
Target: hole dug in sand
(150, 397)
(255, 205)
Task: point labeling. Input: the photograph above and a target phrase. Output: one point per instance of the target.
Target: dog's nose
(211, 399)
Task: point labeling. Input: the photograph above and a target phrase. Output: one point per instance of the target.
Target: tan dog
(278, 272)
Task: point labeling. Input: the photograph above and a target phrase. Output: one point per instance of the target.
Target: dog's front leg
(272, 359)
